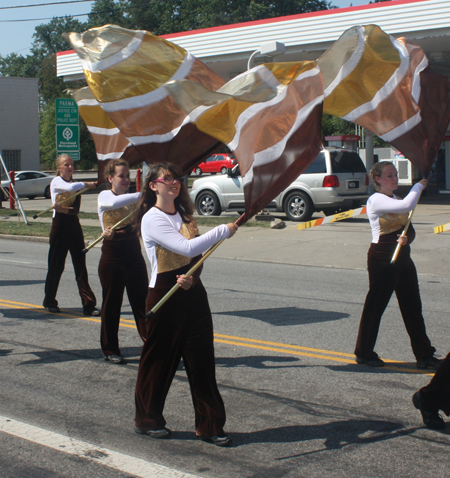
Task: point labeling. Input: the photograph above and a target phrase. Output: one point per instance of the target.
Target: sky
(17, 36)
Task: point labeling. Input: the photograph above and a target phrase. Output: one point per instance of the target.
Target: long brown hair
(110, 169)
(377, 171)
(183, 203)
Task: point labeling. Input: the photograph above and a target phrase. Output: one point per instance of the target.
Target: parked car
(218, 163)
(29, 184)
(336, 181)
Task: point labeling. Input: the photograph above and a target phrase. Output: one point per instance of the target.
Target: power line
(44, 4)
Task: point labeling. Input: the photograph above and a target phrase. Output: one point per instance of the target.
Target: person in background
(388, 215)
(66, 235)
(121, 264)
(435, 396)
(182, 327)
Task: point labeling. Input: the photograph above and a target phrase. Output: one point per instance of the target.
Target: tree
(105, 12)
(183, 15)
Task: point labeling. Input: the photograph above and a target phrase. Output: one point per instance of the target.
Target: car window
(318, 166)
(346, 162)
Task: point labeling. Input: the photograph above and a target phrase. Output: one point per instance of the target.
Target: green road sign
(67, 128)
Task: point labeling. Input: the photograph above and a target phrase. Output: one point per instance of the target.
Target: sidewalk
(342, 244)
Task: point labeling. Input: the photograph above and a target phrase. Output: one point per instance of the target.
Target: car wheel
(207, 204)
(31, 197)
(198, 172)
(47, 194)
(224, 170)
(298, 206)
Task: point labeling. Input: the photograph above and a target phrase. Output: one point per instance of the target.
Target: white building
(227, 49)
(19, 123)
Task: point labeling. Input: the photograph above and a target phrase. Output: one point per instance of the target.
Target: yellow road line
(289, 349)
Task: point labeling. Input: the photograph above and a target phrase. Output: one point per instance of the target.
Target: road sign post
(67, 128)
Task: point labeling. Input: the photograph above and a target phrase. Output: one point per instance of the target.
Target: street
(297, 404)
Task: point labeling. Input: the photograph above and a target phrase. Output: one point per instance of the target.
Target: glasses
(167, 180)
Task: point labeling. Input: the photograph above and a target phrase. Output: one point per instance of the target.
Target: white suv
(336, 181)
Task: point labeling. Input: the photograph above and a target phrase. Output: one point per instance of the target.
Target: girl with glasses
(121, 264)
(182, 327)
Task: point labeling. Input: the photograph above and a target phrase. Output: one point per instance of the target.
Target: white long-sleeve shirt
(108, 201)
(159, 228)
(60, 186)
(379, 204)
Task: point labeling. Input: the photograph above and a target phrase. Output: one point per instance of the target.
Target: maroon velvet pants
(121, 267)
(384, 279)
(437, 392)
(182, 328)
(66, 236)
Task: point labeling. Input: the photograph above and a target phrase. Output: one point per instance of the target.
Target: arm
(383, 204)
(108, 200)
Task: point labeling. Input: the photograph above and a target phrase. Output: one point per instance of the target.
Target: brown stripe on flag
(421, 144)
(271, 179)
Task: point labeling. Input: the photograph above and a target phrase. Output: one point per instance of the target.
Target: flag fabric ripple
(386, 85)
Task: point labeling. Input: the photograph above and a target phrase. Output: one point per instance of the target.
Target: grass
(30, 214)
(41, 229)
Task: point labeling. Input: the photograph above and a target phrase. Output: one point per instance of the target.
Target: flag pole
(59, 203)
(172, 291)
(405, 230)
(116, 225)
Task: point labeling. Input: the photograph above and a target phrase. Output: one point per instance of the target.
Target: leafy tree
(19, 66)
(163, 17)
(105, 12)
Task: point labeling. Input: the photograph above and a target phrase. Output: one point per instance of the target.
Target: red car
(218, 163)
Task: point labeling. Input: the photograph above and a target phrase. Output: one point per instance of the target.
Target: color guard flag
(386, 85)
(126, 71)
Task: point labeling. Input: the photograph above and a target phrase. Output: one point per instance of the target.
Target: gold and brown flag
(386, 85)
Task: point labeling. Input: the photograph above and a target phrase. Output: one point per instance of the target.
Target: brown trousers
(182, 328)
(437, 392)
(384, 279)
(121, 267)
(67, 236)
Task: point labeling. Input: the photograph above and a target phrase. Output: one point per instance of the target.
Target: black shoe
(430, 415)
(114, 358)
(428, 362)
(373, 361)
(54, 310)
(91, 311)
(161, 433)
(216, 440)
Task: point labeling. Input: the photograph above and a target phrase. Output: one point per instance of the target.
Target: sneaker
(216, 440)
(428, 362)
(373, 361)
(430, 415)
(91, 311)
(114, 358)
(161, 433)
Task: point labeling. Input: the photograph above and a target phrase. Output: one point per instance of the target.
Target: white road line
(15, 262)
(103, 456)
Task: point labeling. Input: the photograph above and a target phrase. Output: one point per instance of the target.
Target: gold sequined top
(168, 260)
(392, 222)
(113, 216)
(61, 196)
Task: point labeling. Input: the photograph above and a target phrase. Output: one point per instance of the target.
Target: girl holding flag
(66, 235)
(121, 264)
(388, 215)
(182, 327)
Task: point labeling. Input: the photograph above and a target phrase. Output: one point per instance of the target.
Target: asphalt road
(297, 404)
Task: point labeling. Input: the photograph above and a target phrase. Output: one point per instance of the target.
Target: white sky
(17, 36)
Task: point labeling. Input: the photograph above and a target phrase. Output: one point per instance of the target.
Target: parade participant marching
(121, 264)
(387, 215)
(66, 235)
(435, 396)
(182, 327)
